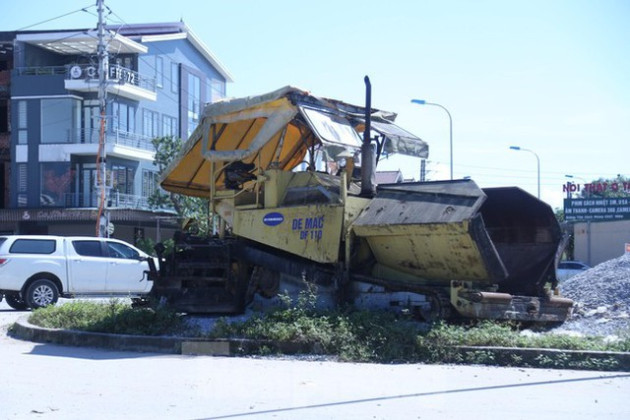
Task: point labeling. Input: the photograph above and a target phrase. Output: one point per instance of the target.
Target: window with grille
(194, 102)
(169, 126)
(159, 71)
(149, 183)
(122, 178)
(125, 118)
(22, 184)
(22, 123)
(151, 124)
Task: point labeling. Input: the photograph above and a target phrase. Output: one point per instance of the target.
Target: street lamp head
(537, 163)
(418, 101)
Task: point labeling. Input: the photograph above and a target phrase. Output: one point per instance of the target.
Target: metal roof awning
(82, 42)
(276, 130)
(400, 140)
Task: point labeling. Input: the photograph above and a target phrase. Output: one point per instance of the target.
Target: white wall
(596, 242)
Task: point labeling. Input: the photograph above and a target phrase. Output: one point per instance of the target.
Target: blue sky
(550, 76)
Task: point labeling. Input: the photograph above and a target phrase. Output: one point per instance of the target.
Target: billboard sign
(596, 209)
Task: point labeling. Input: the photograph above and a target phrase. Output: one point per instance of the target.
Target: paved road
(42, 381)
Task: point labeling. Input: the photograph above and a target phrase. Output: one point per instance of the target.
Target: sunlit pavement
(76, 383)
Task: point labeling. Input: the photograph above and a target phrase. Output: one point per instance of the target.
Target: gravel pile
(602, 298)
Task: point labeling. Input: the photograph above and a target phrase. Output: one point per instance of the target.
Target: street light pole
(450, 121)
(537, 163)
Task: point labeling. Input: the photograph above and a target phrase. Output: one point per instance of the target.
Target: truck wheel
(15, 301)
(140, 302)
(40, 293)
(241, 276)
(440, 308)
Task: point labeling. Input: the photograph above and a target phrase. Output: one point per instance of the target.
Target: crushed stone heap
(602, 298)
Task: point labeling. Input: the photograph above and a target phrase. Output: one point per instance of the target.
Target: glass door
(91, 124)
(87, 188)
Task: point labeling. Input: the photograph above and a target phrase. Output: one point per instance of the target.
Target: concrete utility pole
(102, 221)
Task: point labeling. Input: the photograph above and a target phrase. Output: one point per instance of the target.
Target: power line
(184, 90)
(546, 174)
(166, 76)
(498, 175)
(83, 9)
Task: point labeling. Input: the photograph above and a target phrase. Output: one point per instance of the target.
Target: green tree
(559, 213)
(193, 208)
(607, 188)
(567, 231)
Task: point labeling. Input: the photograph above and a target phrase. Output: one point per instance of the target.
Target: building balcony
(86, 142)
(85, 78)
(120, 81)
(114, 137)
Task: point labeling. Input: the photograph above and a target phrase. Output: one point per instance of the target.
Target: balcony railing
(115, 200)
(116, 137)
(41, 71)
(125, 138)
(127, 201)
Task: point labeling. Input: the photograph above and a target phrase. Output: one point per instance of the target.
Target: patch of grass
(114, 317)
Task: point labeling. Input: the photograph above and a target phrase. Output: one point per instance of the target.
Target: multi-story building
(159, 75)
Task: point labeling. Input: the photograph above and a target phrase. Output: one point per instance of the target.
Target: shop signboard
(593, 205)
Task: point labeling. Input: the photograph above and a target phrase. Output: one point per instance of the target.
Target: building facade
(158, 78)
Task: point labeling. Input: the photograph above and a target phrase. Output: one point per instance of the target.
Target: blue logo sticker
(273, 219)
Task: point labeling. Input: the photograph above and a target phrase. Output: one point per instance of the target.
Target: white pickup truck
(36, 270)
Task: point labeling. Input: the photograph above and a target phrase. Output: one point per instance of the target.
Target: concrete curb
(503, 356)
(24, 330)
